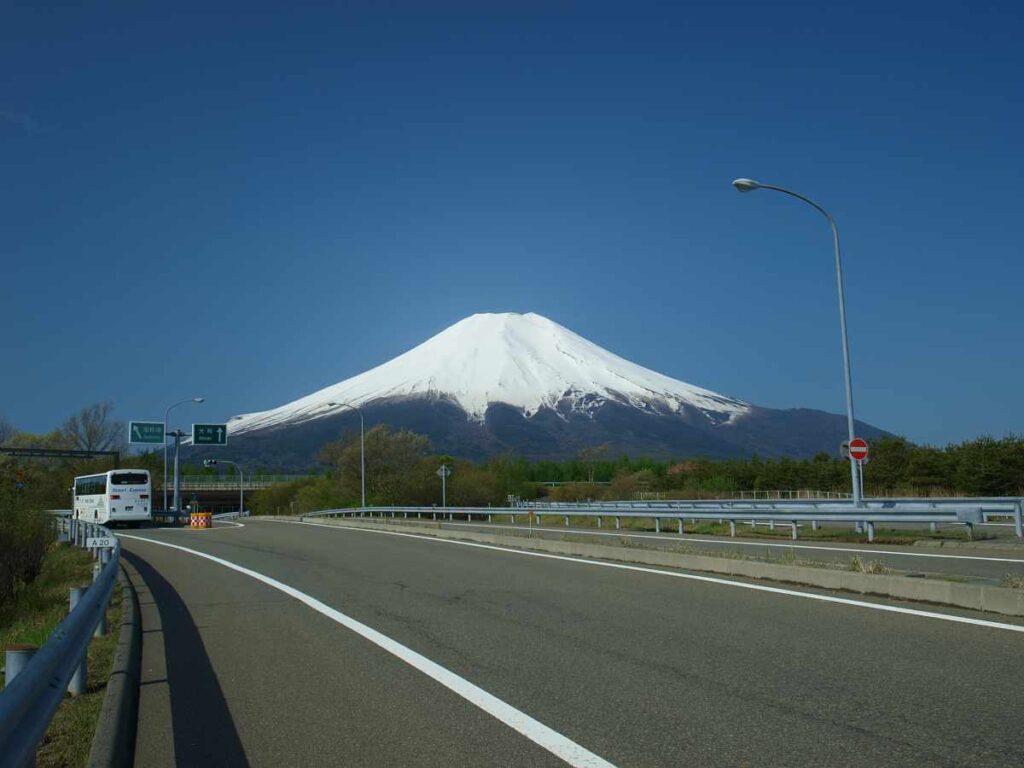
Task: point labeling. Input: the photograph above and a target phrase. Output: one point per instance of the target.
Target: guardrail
(231, 515)
(230, 483)
(772, 495)
(966, 515)
(30, 699)
(991, 506)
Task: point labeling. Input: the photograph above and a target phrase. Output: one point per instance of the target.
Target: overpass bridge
(219, 493)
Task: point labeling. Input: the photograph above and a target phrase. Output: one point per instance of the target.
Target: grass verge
(38, 608)
(761, 531)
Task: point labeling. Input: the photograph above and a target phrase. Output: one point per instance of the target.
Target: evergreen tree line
(401, 469)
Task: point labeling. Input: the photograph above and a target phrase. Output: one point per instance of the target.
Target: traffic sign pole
(443, 472)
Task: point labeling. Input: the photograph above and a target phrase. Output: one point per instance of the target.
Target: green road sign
(145, 432)
(209, 434)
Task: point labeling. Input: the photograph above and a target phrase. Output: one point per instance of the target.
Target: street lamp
(362, 447)
(749, 185)
(166, 415)
(241, 480)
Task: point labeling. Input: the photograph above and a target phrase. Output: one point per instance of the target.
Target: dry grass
(858, 565)
(1013, 581)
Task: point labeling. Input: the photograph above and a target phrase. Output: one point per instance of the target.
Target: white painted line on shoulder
(689, 576)
(551, 740)
(736, 543)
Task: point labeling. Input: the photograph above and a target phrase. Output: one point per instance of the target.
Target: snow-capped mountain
(526, 361)
(521, 383)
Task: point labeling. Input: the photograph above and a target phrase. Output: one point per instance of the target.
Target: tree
(396, 468)
(93, 429)
(7, 430)
(590, 456)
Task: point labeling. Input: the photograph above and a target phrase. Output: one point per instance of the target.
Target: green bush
(25, 536)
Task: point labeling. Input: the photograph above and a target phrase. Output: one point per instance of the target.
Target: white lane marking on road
(694, 540)
(551, 740)
(689, 576)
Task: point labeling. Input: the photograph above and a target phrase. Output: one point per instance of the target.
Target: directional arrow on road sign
(209, 434)
(145, 432)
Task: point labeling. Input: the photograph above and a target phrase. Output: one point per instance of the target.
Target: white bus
(117, 496)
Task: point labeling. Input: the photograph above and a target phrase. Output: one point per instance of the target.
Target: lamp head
(198, 399)
(745, 185)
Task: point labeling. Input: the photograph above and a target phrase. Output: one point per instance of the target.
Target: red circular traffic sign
(858, 449)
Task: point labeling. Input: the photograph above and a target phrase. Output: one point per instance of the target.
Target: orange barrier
(202, 520)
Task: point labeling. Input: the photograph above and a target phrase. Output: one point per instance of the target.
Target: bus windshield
(129, 478)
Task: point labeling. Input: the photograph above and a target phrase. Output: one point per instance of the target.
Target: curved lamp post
(167, 414)
(749, 185)
(362, 447)
(241, 480)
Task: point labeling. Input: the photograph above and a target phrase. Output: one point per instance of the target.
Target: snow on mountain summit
(523, 360)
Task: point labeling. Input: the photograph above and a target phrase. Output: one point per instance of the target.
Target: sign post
(443, 472)
(145, 432)
(209, 434)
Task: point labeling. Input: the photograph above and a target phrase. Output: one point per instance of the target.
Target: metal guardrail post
(78, 681)
(97, 569)
(15, 659)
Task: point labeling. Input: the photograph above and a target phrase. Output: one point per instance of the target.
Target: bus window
(129, 478)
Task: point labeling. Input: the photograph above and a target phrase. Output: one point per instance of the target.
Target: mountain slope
(497, 383)
(524, 361)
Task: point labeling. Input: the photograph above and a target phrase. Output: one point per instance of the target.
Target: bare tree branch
(7, 430)
(93, 429)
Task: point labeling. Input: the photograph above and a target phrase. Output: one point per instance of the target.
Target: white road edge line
(551, 740)
(698, 540)
(198, 530)
(689, 576)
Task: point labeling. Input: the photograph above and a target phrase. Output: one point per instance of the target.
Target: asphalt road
(988, 561)
(639, 668)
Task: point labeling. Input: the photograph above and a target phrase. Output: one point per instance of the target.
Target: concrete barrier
(976, 597)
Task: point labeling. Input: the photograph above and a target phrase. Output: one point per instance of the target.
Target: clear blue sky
(252, 204)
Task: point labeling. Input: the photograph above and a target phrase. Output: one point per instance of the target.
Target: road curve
(634, 667)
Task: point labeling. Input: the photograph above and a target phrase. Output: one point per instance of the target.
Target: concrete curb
(972, 596)
(113, 745)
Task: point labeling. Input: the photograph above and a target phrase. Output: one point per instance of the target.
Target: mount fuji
(521, 383)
